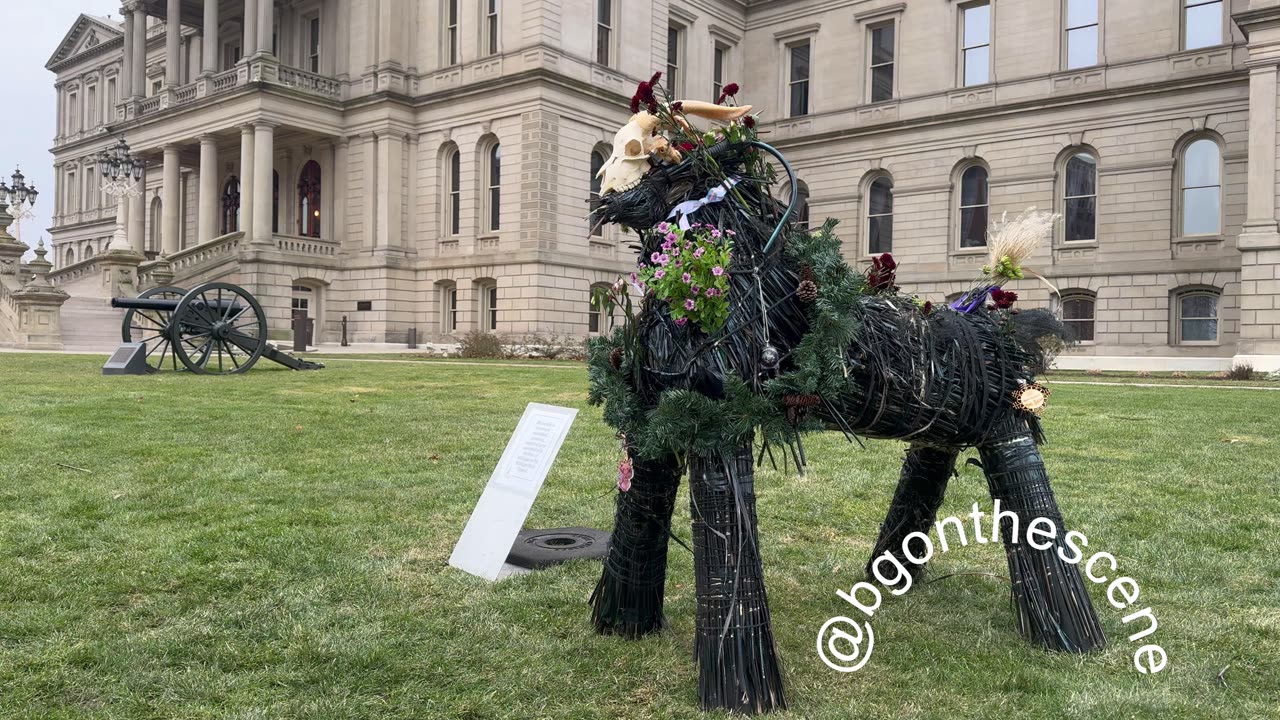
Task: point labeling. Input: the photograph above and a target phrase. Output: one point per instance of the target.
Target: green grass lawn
(274, 545)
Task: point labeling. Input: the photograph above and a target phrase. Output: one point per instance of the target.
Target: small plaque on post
(496, 521)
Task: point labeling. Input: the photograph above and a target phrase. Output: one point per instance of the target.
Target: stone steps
(90, 324)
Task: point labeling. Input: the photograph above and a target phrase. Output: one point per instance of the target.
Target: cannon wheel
(220, 328)
(152, 327)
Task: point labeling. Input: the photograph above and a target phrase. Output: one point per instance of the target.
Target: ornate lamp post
(20, 198)
(120, 172)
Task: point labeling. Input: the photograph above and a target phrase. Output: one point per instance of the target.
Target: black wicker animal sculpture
(808, 343)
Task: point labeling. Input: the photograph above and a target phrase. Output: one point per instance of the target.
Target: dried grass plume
(1016, 239)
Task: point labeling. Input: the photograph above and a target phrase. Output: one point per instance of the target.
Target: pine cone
(807, 291)
(615, 358)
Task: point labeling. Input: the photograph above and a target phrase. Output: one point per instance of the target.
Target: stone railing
(75, 271)
(8, 309)
(184, 261)
(149, 105)
(311, 247)
(309, 82)
(184, 94)
(224, 81)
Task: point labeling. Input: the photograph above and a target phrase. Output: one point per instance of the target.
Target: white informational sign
(509, 496)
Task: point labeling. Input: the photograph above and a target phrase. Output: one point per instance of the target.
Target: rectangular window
(313, 47)
(673, 59)
(451, 32)
(798, 88)
(448, 309)
(604, 31)
(495, 188)
(455, 193)
(975, 32)
(111, 100)
(882, 49)
(1082, 33)
(491, 27)
(91, 107)
(1202, 24)
(73, 113)
(491, 296)
(717, 71)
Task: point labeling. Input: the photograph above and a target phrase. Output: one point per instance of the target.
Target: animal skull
(630, 159)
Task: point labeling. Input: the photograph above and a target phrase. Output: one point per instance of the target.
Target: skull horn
(710, 111)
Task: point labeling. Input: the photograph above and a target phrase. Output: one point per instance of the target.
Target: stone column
(209, 53)
(207, 219)
(369, 170)
(266, 25)
(126, 75)
(171, 204)
(246, 181)
(172, 44)
(139, 25)
(120, 240)
(339, 174)
(263, 164)
(136, 216)
(250, 43)
(390, 204)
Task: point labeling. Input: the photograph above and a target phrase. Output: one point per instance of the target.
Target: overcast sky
(32, 32)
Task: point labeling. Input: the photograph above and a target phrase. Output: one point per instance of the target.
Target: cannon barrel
(168, 304)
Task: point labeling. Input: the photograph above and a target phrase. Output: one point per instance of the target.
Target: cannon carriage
(214, 329)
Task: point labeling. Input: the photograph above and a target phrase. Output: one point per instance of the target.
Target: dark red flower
(677, 106)
(652, 107)
(1003, 299)
(731, 89)
(749, 121)
(656, 77)
(686, 146)
(882, 273)
(643, 96)
(635, 105)
(928, 307)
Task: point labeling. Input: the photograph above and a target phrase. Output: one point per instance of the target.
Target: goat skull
(636, 141)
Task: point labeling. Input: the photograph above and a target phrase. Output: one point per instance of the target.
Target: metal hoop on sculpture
(791, 179)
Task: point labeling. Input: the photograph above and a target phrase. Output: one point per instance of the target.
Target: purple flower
(664, 227)
(686, 277)
(716, 233)
(682, 321)
(659, 274)
(671, 237)
(690, 304)
(663, 259)
(654, 257)
(717, 271)
(712, 292)
(698, 253)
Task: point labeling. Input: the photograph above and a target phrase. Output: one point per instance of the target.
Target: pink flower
(664, 227)
(686, 277)
(690, 304)
(682, 321)
(717, 271)
(712, 292)
(716, 233)
(693, 289)
(654, 257)
(671, 237)
(699, 252)
(659, 274)
(625, 473)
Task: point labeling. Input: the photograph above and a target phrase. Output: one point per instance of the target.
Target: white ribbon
(714, 195)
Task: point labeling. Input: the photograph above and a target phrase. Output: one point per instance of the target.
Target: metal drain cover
(537, 549)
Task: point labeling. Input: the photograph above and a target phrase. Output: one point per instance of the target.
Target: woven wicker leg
(1052, 604)
(628, 599)
(737, 660)
(925, 474)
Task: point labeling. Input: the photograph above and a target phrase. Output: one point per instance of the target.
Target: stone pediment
(87, 34)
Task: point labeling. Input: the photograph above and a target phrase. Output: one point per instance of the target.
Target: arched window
(154, 240)
(800, 216)
(598, 160)
(1080, 197)
(974, 204)
(309, 200)
(487, 304)
(1201, 188)
(1195, 313)
(880, 215)
(1077, 309)
(231, 205)
(71, 257)
(448, 299)
(88, 252)
(275, 201)
(451, 168)
(493, 182)
(597, 308)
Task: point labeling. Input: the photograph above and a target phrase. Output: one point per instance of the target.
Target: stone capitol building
(429, 164)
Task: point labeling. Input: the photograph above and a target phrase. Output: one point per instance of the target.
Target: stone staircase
(90, 324)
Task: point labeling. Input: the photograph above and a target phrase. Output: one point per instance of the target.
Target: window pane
(1199, 330)
(1199, 307)
(977, 25)
(717, 73)
(1082, 176)
(973, 227)
(800, 62)
(1077, 309)
(973, 187)
(1081, 219)
(602, 45)
(882, 83)
(1082, 12)
(1080, 330)
(880, 234)
(1201, 164)
(882, 44)
(605, 11)
(1082, 47)
(673, 46)
(881, 197)
(1204, 26)
(1201, 209)
(593, 320)
(799, 99)
(977, 66)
